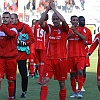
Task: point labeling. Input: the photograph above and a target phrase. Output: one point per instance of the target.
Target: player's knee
(45, 81)
(84, 75)
(11, 82)
(62, 84)
(80, 72)
(0, 79)
(72, 75)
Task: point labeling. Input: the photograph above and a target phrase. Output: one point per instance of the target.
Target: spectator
(69, 5)
(82, 4)
(30, 7)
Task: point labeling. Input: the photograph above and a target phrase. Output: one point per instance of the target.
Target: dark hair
(7, 13)
(15, 15)
(33, 21)
(81, 17)
(73, 16)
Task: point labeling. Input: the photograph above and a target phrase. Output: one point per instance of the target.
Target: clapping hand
(73, 28)
(51, 3)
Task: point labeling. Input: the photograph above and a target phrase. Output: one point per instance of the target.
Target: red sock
(76, 77)
(84, 80)
(10, 99)
(10, 89)
(73, 84)
(28, 65)
(43, 92)
(62, 94)
(32, 70)
(40, 72)
(80, 83)
(0, 85)
(99, 89)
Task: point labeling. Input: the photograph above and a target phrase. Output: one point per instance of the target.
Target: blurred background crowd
(29, 9)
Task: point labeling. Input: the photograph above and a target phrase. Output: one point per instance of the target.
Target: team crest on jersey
(59, 32)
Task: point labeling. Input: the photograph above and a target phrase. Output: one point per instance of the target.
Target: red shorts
(30, 62)
(56, 67)
(40, 55)
(8, 66)
(33, 58)
(76, 63)
(87, 62)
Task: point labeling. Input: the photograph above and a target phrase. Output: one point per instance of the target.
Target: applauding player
(56, 52)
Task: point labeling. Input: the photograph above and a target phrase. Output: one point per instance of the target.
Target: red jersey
(39, 35)
(8, 41)
(88, 35)
(25, 29)
(32, 46)
(57, 38)
(88, 41)
(76, 45)
(93, 46)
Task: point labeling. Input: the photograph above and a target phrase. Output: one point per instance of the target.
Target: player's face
(74, 21)
(6, 19)
(13, 19)
(81, 21)
(55, 20)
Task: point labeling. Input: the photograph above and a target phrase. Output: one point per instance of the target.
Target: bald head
(55, 20)
(54, 14)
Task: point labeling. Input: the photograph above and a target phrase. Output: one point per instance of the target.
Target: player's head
(55, 20)
(81, 21)
(14, 18)
(6, 18)
(74, 20)
(33, 21)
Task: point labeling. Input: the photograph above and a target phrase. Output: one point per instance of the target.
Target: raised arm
(58, 14)
(43, 16)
